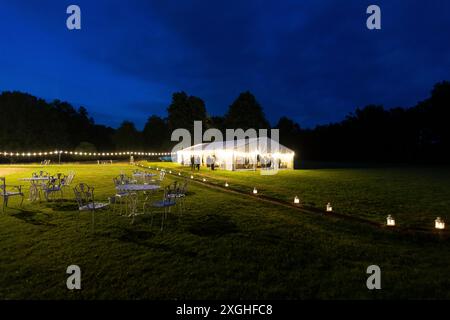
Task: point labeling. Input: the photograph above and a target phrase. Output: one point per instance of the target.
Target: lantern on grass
(390, 221)
(329, 207)
(179, 173)
(170, 171)
(439, 223)
(296, 200)
(226, 184)
(192, 177)
(255, 191)
(204, 180)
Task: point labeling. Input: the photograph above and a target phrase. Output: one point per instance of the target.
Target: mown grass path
(415, 196)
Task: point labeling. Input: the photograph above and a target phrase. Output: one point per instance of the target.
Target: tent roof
(262, 145)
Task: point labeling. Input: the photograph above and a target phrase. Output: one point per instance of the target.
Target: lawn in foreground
(415, 196)
(224, 246)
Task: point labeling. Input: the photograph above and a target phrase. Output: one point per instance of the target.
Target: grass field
(415, 196)
(233, 246)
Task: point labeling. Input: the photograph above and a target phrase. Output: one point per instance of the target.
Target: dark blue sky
(311, 60)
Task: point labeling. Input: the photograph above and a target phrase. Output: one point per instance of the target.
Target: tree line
(370, 134)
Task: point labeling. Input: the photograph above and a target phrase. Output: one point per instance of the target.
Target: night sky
(314, 61)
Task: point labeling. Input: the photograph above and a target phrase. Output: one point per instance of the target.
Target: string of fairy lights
(82, 154)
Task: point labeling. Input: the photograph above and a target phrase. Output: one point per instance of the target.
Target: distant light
(390, 221)
(226, 184)
(255, 191)
(204, 179)
(439, 223)
(296, 200)
(192, 177)
(329, 207)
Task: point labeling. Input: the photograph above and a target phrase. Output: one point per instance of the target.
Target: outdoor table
(34, 190)
(36, 179)
(137, 189)
(143, 176)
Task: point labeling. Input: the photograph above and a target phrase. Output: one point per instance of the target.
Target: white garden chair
(7, 192)
(166, 203)
(160, 179)
(53, 186)
(121, 197)
(84, 196)
(178, 192)
(67, 181)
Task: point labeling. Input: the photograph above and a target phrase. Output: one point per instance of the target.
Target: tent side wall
(233, 160)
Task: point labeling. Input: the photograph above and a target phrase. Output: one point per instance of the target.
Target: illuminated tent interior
(243, 154)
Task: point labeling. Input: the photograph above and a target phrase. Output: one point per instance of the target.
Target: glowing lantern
(390, 221)
(439, 223)
(296, 200)
(226, 184)
(170, 171)
(179, 173)
(255, 191)
(329, 207)
(204, 180)
(192, 177)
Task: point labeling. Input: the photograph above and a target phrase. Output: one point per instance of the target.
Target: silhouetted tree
(86, 147)
(156, 134)
(371, 133)
(127, 137)
(218, 122)
(184, 110)
(245, 112)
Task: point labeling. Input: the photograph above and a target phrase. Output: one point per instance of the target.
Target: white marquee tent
(244, 154)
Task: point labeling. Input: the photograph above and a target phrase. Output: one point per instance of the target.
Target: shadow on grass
(62, 205)
(32, 217)
(136, 236)
(144, 238)
(213, 225)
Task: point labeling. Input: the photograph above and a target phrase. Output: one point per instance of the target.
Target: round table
(36, 179)
(140, 174)
(143, 176)
(137, 187)
(132, 202)
(34, 188)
